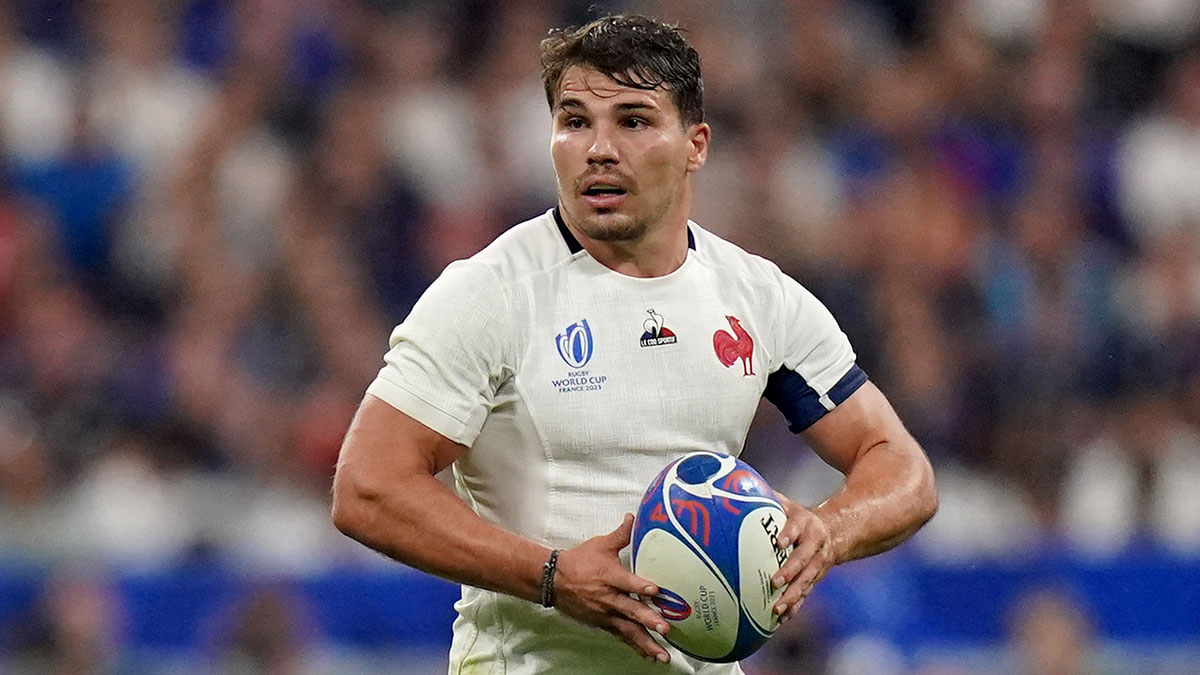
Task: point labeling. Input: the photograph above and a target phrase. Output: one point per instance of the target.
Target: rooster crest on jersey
(730, 348)
(705, 534)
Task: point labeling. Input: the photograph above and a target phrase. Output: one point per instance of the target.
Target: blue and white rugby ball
(705, 534)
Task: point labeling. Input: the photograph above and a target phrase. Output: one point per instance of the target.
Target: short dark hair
(635, 51)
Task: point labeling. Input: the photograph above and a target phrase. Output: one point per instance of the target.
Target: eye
(635, 122)
(574, 123)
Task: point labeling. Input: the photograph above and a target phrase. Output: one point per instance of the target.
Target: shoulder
(732, 260)
(525, 249)
(485, 287)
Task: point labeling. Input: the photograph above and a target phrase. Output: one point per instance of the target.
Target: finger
(803, 584)
(619, 538)
(793, 598)
(812, 573)
(635, 636)
(625, 580)
(629, 582)
(644, 614)
(790, 574)
(799, 557)
(793, 527)
(639, 638)
(790, 570)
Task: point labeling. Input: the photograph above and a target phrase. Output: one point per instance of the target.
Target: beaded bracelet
(548, 569)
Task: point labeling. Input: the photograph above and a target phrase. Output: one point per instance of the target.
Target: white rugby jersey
(573, 385)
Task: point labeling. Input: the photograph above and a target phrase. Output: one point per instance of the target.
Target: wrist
(549, 571)
(836, 544)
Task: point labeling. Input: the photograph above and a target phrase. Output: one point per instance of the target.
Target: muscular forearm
(425, 526)
(385, 495)
(887, 496)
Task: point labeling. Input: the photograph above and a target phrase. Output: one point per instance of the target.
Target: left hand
(809, 561)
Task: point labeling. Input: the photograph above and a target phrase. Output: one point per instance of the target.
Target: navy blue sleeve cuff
(799, 402)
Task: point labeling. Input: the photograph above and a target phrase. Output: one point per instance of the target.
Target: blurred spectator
(1048, 288)
(265, 632)
(1137, 475)
(982, 518)
(24, 475)
(128, 511)
(431, 136)
(147, 106)
(1050, 634)
(353, 206)
(1158, 165)
(1008, 22)
(864, 654)
(83, 193)
(36, 111)
(1158, 23)
(76, 627)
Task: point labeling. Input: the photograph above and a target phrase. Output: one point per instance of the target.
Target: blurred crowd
(213, 211)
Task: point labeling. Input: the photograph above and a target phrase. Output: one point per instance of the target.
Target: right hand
(592, 586)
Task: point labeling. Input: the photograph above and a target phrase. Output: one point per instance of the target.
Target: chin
(608, 226)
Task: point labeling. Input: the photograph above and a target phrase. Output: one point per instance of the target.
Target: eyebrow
(636, 106)
(572, 102)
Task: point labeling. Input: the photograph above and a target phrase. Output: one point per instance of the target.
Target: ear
(699, 135)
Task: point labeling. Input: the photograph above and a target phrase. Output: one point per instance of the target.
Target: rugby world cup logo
(672, 606)
(575, 344)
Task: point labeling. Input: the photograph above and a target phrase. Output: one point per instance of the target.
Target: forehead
(589, 87)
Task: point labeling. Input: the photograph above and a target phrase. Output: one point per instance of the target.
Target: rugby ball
(705, 534)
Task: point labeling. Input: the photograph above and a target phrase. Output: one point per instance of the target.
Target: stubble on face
(611, 226)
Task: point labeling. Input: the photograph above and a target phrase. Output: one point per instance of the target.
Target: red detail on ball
(698, 512)
(657, 514)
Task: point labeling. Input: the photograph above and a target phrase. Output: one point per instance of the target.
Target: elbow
(927, 496)
(350, 509)
(344, 518)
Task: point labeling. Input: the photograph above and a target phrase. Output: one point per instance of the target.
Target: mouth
(601, 195)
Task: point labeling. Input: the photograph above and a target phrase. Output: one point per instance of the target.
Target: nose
(603, 149)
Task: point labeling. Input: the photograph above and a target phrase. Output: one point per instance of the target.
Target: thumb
(619, 538)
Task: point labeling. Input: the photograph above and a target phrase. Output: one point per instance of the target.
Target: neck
(662, 249)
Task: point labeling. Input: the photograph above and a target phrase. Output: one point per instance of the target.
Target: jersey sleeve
(449, 356)
(816, 367)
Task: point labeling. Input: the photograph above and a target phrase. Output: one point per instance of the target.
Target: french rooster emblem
(730, 348)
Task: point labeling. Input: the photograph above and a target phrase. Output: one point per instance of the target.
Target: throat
(643, 259)
(648, 248)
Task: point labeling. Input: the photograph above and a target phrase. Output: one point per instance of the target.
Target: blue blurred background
(213, 211)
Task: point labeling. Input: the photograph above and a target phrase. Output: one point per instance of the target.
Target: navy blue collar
(574, 246)
(572, 243)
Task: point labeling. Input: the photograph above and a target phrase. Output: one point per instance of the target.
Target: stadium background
(213, 211)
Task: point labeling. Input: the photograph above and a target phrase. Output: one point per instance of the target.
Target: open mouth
(604, 196)
(603, 190)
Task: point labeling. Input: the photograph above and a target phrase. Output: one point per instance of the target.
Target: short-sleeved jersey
(573, 385)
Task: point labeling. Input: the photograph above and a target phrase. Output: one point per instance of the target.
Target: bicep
(385, 444)
(861, 422)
